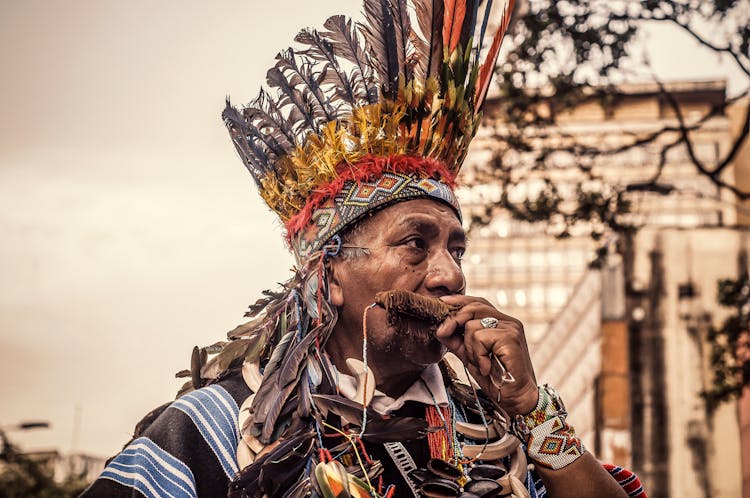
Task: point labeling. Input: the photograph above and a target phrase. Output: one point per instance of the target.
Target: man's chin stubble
(423, 351)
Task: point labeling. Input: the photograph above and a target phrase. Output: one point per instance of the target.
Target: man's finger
(448, 334)
(463, 300)
(483, 341)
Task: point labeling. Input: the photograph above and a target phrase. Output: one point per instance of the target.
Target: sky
(129, 229)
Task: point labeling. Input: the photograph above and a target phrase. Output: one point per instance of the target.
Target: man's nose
(444, 274)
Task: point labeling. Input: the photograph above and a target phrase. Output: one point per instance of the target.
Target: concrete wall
(741, 163)
(704, 454)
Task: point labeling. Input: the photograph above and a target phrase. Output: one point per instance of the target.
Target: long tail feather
(430, 19)
(483, 30)
(380, 33)
(402, 30)
(455, 12)
(488, 67)
(469, 23)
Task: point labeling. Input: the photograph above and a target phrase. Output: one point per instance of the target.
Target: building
(626, 343)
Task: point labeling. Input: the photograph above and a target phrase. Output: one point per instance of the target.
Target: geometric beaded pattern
(356, 199)
(550, 441)
(548, 407)
(554, 444)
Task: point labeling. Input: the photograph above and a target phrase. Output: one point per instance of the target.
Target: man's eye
(415, 243)
(458, 254)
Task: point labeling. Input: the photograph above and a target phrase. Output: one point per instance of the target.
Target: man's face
(413, 245)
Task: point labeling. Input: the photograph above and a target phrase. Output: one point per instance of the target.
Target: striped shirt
(190, 449)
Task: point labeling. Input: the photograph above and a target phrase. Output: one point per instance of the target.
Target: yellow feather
(380, 129)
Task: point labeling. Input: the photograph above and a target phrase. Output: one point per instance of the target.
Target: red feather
(453, 20)
(485, 72)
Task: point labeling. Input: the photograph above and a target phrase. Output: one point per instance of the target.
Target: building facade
(626, 343)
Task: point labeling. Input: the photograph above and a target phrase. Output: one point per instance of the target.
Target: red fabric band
(367, 169)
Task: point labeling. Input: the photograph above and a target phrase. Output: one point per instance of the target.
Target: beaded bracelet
(550, 440)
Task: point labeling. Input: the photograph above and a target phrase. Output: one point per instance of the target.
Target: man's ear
(335, 289)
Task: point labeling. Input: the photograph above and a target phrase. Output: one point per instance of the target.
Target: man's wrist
(525, 405)
(548, 405)
(550, 441)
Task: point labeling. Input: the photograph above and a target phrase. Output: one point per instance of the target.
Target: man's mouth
(412, 313)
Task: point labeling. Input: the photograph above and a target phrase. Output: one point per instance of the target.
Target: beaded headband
(368, 113)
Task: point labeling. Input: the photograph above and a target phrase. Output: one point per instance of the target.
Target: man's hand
(465, 336)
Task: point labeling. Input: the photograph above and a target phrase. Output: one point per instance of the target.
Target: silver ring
(489, 322)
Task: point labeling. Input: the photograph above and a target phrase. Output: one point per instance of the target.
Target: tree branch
(706, 43)
(715, 175)
(690, 31)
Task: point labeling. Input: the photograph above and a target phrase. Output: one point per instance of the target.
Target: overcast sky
(129, 229)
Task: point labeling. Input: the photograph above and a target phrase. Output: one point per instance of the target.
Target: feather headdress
(407, 82)
(363, 115)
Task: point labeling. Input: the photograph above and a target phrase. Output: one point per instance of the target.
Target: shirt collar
(428, 389)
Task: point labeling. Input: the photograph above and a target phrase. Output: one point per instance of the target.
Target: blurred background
(606, 195)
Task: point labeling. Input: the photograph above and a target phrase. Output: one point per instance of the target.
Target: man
(337, 387)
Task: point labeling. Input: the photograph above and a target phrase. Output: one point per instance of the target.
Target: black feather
(281, 471)
(346, 44)
(321, 49)
(470, 23)
(483, 30)
(294, 452)
(300, 113)
(278, 352)
(301, 76)
(430, 20)
(395, 429)
(254, 158)
(268, 118)
(293, 360)
(403, 31)
(349, 411)
(379, 428)
(380, 33)
(304, 407)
